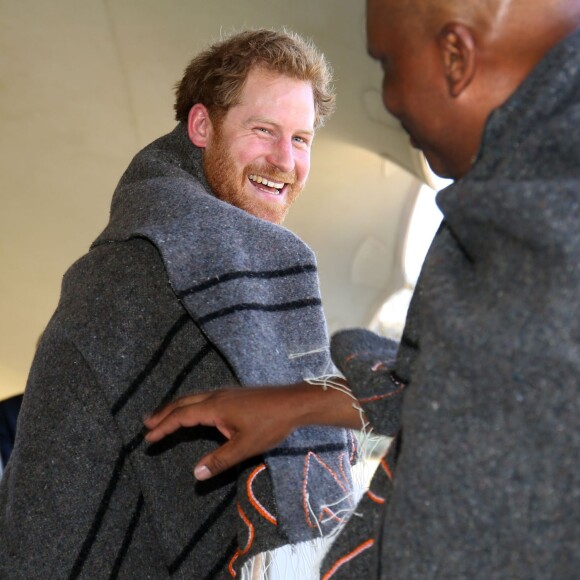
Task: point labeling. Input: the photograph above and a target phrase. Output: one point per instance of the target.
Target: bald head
(428, 14)
(466, 58)
(517, 32)
(479, 14)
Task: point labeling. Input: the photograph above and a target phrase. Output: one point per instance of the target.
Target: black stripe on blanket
(134, 386)
(128, 537)
(184, 373)
(103, 506)
(303, 451)
(264, 275)
(297, 304)
(134, 443)
(201, 531)
(221, 563)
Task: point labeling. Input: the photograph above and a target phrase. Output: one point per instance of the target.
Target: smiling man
(183, 293)
(257, 155)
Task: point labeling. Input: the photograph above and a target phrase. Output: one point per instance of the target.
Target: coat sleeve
(367, 360)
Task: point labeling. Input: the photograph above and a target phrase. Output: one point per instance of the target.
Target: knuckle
(218, 464)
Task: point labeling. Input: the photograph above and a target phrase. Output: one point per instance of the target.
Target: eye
(303, 141)
(263, 130)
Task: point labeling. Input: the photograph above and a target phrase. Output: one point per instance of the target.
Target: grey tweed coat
(487, 483)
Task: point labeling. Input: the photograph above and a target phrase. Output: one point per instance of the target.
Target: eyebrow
(266, 121)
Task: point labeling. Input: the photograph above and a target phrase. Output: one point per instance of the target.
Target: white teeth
(260, 179)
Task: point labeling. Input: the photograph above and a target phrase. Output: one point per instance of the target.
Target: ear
(199, 125)
(457, 46)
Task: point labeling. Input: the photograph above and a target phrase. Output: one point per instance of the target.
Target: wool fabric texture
(181, 293)
(486, 483)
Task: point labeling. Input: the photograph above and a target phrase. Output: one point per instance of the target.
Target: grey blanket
(180, 293)
(252, 288)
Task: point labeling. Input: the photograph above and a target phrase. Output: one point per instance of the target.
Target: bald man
(485, 481)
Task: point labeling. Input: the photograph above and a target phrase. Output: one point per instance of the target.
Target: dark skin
(253, 419)
(476, 60)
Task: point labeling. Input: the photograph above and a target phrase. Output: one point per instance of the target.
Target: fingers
(159, 415)
(229, 454)
(185, 412)
(253, 420)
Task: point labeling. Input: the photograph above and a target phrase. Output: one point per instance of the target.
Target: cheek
(392, 96)
(302, 164)
(247, 154)
(242, 158)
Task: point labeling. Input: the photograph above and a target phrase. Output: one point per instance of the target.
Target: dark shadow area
(202, 435)
(9, 410)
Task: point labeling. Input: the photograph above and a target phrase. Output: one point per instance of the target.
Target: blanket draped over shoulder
(181, 293)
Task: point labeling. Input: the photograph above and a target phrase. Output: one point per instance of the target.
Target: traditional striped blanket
(180, 293)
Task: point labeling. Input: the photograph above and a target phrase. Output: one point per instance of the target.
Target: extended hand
(253, 419)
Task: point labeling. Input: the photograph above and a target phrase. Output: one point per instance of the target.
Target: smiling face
(257, 156)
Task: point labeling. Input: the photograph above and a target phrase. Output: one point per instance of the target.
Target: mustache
(272, 173)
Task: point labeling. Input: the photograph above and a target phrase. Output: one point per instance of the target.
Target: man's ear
(457, 46)
(199, 125)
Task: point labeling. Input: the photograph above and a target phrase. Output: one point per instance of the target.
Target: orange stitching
(364, 546)
(250, 530)
(305, 483)
(379, 397)
(355, 355)
(378, 366)
(334, 476)
(253, 500)
(387, 469)
(239, 552)
(332, 515)
(304, 486)
(341, 459)
(376, 498)
(354, 444)
(231, 570)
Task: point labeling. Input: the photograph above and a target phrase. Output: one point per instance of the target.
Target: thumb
(229, 454)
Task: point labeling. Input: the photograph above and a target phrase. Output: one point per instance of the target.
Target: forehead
(382, 21)
(277, 96)
(395, 29)
(264, 80)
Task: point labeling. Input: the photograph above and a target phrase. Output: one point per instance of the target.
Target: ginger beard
(236, 189)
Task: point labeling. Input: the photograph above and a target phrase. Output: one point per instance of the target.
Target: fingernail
(201, 472)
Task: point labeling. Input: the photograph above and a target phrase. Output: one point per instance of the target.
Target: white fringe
(302, 561)
(298, 562)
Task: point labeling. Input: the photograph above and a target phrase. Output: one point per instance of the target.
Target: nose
(282, 155)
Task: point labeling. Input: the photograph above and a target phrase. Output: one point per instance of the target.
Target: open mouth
(267, 185)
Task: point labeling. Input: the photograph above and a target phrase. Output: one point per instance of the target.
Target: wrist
(330, 402)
